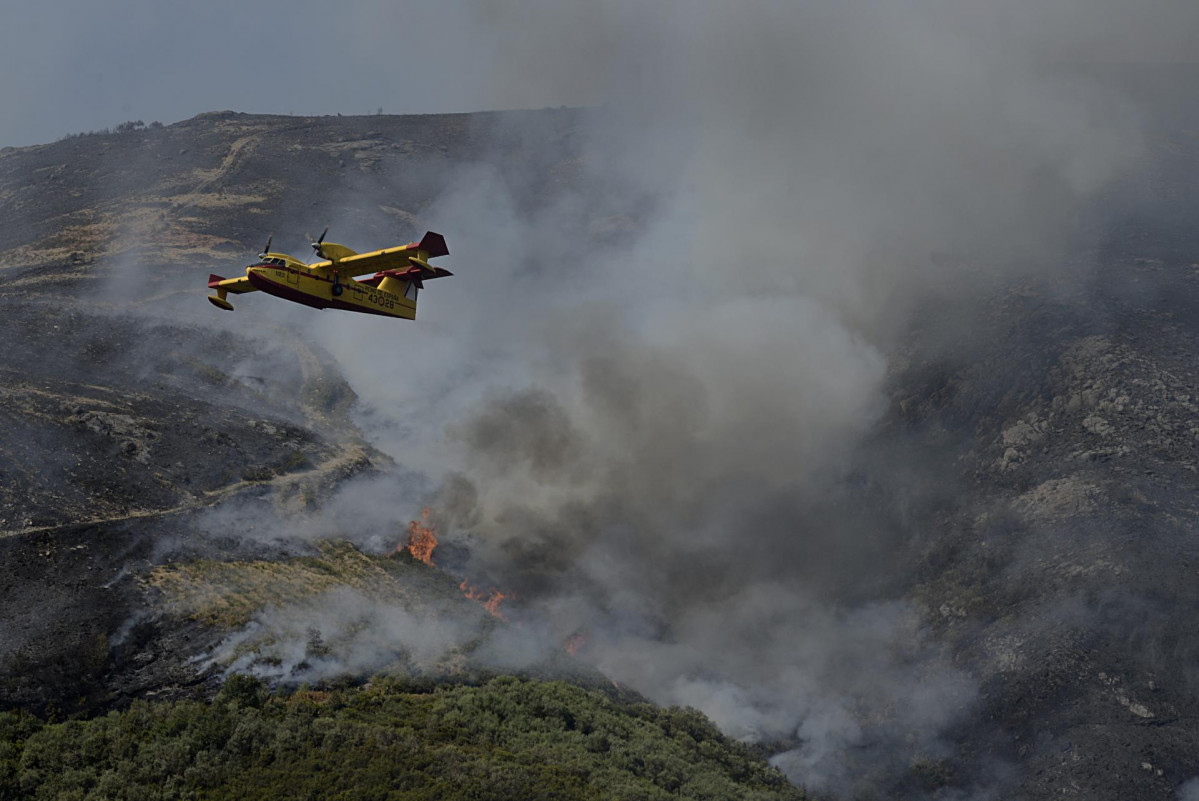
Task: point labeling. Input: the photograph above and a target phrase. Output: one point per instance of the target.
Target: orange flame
(575, 642)
(491, 602)
(422, 538)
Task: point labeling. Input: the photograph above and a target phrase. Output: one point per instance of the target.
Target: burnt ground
(1041, 477)
(79, 631)
(1064, 578)
(118, 433)
(1062, 573)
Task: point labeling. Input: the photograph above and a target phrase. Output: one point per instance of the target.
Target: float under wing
(224, 286)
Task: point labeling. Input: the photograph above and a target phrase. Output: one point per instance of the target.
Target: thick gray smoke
(656, 424)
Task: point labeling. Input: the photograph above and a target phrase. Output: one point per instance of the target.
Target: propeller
(317, 244)
(266, 249)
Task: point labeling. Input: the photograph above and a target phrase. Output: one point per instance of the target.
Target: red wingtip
(213, 280)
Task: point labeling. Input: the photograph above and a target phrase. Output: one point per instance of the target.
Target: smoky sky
(71, 66)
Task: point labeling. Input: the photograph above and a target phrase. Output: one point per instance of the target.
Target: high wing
(408, 262)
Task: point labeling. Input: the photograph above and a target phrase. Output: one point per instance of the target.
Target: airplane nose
(259, 278)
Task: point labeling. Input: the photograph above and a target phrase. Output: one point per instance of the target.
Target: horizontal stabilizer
(422, 269)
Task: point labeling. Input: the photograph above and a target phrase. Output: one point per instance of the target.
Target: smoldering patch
(345, 632)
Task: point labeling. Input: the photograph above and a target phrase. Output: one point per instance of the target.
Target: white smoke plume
(343, 632)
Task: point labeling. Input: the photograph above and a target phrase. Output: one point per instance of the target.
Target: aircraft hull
(317, 292)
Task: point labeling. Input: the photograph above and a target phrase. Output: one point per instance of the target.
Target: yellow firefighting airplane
(399, 275)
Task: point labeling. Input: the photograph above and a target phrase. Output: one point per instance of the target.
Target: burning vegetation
(575, 643)
(491, 601)
(422, 538)
(422, 541)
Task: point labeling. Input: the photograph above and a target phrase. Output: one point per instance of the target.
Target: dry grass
(227, 594)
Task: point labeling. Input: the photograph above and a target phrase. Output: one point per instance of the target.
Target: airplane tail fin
(433, 243)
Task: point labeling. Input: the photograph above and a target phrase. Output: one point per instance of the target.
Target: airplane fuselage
(299, 285)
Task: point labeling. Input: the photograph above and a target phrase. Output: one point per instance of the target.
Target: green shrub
(507, 739)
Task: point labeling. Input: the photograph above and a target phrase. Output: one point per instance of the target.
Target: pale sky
(73, 65)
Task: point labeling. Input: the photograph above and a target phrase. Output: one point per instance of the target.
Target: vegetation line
(391, 739)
